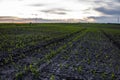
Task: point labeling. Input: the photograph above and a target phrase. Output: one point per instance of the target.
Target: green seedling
(88, 61)
(104, 75)
(19, 76)
(52, 77)
(94, 72)
(113, 76)
(34, 71)
(79, 69)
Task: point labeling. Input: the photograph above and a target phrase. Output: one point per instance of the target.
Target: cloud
(104, 19)
(59, 11)
(11, 19)
(5, 18)
(1, 1)
(109, 11)
(118, 0)
(36, 5)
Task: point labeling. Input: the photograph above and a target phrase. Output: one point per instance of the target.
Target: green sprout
(79, 69)
(113, 76)
(52, 77)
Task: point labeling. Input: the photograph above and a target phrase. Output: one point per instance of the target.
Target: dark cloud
(36, 5)
(118, 0)
(53, 12)
(87, 11)
(109, 11)
(99, 17)
(101, 3)
(59, 11)
(104, 19)
(10, 19)
(99, 0)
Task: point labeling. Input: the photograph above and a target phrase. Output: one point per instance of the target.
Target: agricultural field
(60, 51)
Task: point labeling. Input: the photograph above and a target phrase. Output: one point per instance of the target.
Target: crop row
(50, 52)
(114, 38)
(43, 62)
(90, 57)
(13, 45)
(39, 51)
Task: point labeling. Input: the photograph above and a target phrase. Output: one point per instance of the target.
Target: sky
(101, 11)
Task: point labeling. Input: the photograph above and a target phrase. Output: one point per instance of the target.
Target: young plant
(113, 76)
(52, 77)
(79, 69)
(34, 71)
(19, 76)
(88, 61)
(104, 75)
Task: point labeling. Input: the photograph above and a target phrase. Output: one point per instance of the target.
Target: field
(60, 51)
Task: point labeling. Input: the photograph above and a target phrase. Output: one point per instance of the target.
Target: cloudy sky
(60, 10)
